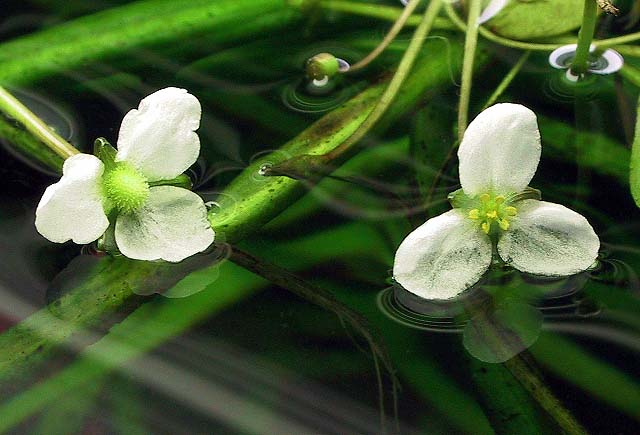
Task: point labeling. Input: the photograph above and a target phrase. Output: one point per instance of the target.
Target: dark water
(269, 361)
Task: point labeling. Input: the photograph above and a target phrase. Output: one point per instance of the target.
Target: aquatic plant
(324, 143)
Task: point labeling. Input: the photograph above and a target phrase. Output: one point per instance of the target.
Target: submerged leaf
(522, 19)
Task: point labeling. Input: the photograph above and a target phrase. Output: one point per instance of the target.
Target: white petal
(172, 225)
(500, 150)
(549, 239)
(71, 209)
(159, 136)
(492, 9)
(443, 257)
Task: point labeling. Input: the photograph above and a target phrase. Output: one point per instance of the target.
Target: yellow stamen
(499, 199)
(492, 214)
(484, 198)
(474, 214)
(486, 227)
(504, 224)
(511, 211)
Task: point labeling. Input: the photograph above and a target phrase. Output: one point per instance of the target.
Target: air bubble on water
(324, 81)
(343, 65)
(211, 206)
(607, 62)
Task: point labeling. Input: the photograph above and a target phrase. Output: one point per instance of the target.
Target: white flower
(157, 142)
(498, 157)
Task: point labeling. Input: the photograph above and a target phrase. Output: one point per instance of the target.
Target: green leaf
(530, 19)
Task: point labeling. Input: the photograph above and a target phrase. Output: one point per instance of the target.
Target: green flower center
(125, 188)
(493, 209)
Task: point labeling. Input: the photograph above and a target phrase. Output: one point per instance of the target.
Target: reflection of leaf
(497, 335)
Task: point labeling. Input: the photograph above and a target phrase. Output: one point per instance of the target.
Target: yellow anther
(504, 224)
(492, 214)
(474, 214)
(486, 227)
(511, 211)
(499, 199)
(485, 197)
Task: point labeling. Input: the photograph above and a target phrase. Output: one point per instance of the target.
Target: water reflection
(504, 315)
(171, 280)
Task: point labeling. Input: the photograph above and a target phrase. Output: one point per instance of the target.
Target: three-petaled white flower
(498, 156)
(157, 142)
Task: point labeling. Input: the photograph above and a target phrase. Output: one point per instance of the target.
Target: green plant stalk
(308, 166)
(270, 195)
(509, 406)
(387, 13)
(534, 384)
(389, 37)
(527, 375)
(470, 44)
(580, 62)
(404, 68)
(25, 145)
(13, 109)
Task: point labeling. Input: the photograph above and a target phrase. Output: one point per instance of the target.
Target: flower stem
(382, 12)
(470, 45)
(581, 60)
(300, 166)
(396, 82)
(397, 27)
(506, 81)
(522, 367)
(14, 109)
